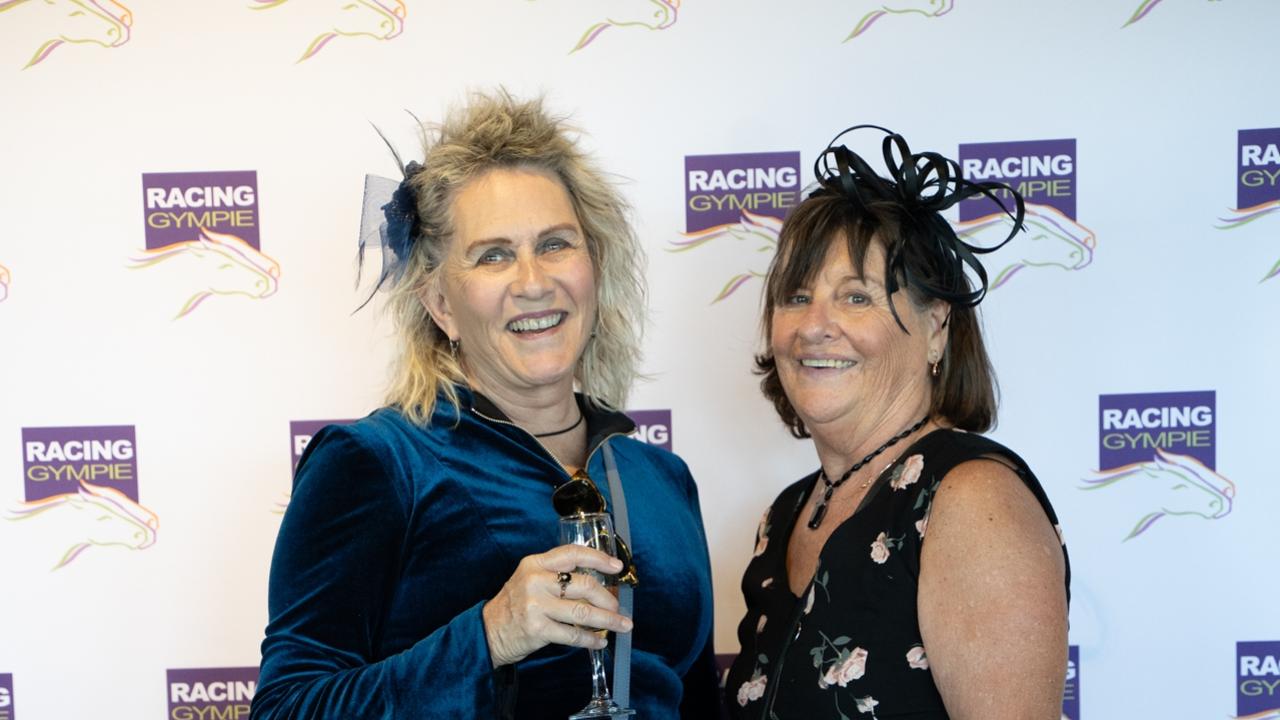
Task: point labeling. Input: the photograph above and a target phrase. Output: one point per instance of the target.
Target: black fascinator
(389, 219)
(924, 184)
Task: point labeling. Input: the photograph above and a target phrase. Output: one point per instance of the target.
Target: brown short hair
(964, 393)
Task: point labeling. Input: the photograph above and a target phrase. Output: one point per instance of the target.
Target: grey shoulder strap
(626, 601)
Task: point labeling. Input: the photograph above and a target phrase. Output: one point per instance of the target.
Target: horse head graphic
(94, 515)
(1238, 218)
(760, 232)
(1264, 715)
(1175, 485)
(54, 22)
(646, 14)
(1051, 240)
(1145, 7)
(221, 265)
(927, 8)
(4, 283)
(377, 19)
(280, 506)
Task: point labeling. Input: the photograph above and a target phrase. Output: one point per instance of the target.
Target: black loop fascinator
(925, 184)
(389, 219)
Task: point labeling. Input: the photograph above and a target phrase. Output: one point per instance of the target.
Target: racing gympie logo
(1258, 680)
(1044, 173)
(5, 279)
(1071, 687)
(6, 696)
(653, 427)
(927, 8)
(1257, 185)
(81, 491)
(597, 16)
(1156, 459)
(377, 19)
(742, 200)
(46, 25)
(202, 230)
(1145, 7)
(211, 693)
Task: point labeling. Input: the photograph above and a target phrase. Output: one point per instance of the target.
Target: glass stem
(599, 684)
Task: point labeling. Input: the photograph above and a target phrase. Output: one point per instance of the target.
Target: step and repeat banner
(179, 209)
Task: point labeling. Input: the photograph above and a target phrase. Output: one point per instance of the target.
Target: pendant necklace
(820, 510)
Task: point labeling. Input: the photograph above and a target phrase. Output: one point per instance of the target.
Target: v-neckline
(803, 501)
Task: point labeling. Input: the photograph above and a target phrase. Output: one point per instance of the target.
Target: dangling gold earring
(935, 370)
(453, 349)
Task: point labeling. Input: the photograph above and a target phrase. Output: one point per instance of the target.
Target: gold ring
(564, 579)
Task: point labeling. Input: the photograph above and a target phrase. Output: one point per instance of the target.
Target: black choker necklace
(820, 511)
(553, 433)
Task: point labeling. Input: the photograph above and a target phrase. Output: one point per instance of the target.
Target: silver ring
(564, 579)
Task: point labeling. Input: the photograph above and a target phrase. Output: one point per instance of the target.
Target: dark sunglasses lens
(577, 496)
(628, 574)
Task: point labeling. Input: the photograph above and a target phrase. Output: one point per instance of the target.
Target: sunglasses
(580, 496)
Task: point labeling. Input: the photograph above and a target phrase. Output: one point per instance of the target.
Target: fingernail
(615, 563)
(626, 624)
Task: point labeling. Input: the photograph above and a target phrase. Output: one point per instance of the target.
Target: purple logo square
(198, 693)
(1071, 689)
(177, 206)
(652, 427)
(300, 433)
(1257, 677)
(1131, 428)
(1258, 171)
(720, 188)
(56, 460)
(6, 697)
(1042, 171)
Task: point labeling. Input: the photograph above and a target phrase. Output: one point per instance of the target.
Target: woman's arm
(333, 574)
(992, 605)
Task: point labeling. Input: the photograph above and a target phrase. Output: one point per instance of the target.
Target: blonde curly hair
(495, 131)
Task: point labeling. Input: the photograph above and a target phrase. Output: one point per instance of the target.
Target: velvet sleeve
(333, 574)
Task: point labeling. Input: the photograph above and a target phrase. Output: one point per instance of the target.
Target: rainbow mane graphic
(751, 227)
(1264, 715)
(282, 505)
(54, 22)
(1144, 7)
(93, 515)
(378, 19)
(1178, 485)
(649, 14)
(4, 283)
(1051, 240)
(223, 264)
(927, 8)
(1243, 216)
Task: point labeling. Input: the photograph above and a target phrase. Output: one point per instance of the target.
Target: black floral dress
(850, 646)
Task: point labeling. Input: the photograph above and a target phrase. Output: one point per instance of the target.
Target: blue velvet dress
(395, 537)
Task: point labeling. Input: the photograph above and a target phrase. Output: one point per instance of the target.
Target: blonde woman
(417, 573)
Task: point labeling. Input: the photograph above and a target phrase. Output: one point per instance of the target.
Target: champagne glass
(595, 530)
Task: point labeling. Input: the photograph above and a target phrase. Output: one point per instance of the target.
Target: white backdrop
(1156, 300)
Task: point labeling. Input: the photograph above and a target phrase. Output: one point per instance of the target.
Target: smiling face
(842, 358)
(517, 287)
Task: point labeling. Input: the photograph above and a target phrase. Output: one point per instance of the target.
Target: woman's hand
(530, 612)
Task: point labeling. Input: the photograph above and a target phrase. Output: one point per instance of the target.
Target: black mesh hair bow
(925, 184)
